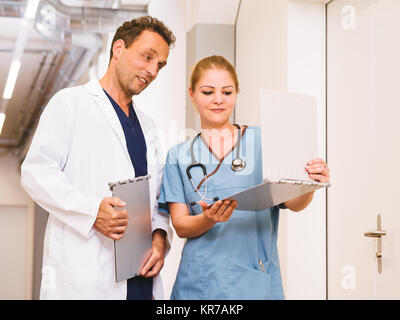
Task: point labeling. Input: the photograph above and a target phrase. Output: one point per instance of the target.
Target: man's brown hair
(130, 30)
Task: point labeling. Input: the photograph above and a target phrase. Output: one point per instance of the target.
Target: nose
(152, 70)
(218, 97)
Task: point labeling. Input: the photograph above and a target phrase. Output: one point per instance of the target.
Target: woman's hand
(318, 170)
(220, 211)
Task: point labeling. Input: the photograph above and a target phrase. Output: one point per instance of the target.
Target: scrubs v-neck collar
(220, 160)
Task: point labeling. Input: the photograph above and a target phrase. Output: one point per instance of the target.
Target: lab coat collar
(104, 104)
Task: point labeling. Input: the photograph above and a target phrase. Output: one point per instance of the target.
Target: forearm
(300, 203)
(191, 226)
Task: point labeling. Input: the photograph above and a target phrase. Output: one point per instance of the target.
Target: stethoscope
(238, 164)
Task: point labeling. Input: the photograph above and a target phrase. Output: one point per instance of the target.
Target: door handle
(375, 233)
(379, 233)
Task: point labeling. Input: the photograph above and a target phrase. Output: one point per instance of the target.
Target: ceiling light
(2, 119)
(31, 8)
(11, 79)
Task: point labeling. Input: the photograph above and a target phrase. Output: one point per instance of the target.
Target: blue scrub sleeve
(172, 189)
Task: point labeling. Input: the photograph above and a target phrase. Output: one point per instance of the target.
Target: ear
(191, 94)
(118, 46)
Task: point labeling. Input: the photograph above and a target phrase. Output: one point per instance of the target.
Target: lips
(142, 80)
(217, 110)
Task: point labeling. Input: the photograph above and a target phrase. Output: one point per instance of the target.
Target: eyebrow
(214, 87)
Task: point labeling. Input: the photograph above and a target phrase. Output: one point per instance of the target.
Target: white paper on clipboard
(289, 140)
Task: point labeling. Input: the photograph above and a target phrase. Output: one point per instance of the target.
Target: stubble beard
(127, 84)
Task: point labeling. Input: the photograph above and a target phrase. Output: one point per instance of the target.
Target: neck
(207, 126)
(110, 84)
(221, 131)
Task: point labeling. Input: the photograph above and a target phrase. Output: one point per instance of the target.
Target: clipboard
(289, 140)
(132, 251)
(272, 193)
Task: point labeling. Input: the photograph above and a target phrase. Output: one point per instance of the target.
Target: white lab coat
(78, 148)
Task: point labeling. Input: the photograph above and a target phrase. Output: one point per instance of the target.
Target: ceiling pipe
(12, 8)
(64, 24)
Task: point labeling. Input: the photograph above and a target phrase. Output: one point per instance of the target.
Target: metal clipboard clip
(111, 185)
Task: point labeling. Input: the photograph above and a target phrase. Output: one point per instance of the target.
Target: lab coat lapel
(143, 124)
(105, 106)
(149, 137)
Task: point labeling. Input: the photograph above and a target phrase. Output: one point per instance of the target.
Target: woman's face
(214, 96)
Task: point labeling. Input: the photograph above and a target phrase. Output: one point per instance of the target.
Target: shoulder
(251, 127)
(255, 130)
(70, 92)
(67, 96)
(179, 152)
(251, 132)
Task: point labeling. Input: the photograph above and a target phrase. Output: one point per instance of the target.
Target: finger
(120, 214)
(319, 178)
(149, 264)
(119, 230)
(115, 236)
(116, 202)
(155, 270)
(223, 207)
(229, 210)
(317, 165)
(119, 222)
(319, 169)
(316, 160)
(215, 207)
(203, 205)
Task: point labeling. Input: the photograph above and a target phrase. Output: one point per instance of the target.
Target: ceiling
(37, 62)
(48, 63)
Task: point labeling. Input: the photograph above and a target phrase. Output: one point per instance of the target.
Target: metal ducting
(79, 31)
(99, 20)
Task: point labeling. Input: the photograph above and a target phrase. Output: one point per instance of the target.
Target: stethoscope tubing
(237, 165)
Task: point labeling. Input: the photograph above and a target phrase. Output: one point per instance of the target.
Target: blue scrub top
(224, 262)
(138, 288)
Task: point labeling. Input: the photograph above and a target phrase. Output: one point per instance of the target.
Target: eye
(160, 65)
(227, 93)
(147, 57)
(207, 93)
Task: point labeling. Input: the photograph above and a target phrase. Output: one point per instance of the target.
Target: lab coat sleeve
(42, 173)
(160, 220)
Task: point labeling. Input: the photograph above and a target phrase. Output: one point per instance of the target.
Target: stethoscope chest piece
(238, 164)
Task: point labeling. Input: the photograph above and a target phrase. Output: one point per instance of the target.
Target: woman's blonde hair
(212, 62)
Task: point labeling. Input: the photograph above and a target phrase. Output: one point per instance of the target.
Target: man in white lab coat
(81, 144)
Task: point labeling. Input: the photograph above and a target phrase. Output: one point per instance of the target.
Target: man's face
(137, 66)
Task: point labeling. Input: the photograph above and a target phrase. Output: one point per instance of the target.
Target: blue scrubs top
(138, 288)
(237, 259)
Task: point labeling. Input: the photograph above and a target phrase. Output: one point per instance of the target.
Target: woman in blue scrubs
(229, 254)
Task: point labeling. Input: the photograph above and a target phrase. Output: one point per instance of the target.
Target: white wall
(269, 55)
(12, 195)
(165, 103)
(306, 231)
(211, 12)
(280, 46)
